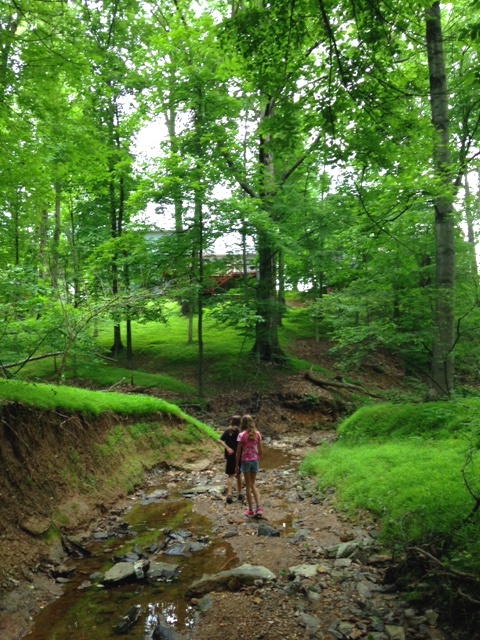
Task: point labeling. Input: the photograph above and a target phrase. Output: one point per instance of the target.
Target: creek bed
(93, 612)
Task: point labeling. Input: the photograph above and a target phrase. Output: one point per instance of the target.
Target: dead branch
(449, 571)
(333, 383)
(22, 362)
(467, 597)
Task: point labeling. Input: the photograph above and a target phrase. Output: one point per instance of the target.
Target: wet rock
(205, 603)
(73, 547)
(246, 574)
(96, 576)
(162, 571)
(195, 547)
(178, 550)
(119, 572)
(62, 571)
(164, 632)
(180, 535)
(85, 585)
(158, 494)
(128, 620)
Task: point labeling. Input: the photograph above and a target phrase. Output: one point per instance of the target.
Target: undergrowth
(94, 403)
(409, 464)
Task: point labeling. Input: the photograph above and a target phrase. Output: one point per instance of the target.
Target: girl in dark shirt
(229, 440)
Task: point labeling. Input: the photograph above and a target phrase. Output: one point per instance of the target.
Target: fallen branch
(333, 383)
(22, 362)
(448, 570)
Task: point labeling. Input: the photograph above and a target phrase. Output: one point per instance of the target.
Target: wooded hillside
(339, 139)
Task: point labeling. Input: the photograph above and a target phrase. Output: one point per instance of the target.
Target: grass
(404, 463)
(84, 401)
(160, 347)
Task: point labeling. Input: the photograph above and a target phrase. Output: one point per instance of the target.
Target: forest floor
(345, 598)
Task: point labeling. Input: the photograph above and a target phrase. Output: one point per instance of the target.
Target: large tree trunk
(267, 346)
(444, 322)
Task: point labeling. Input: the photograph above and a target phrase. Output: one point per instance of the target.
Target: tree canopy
(340, 139)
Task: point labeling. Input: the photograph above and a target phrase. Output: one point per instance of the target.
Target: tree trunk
(55, 253)
(199, 223)
(469, 218)
(267, 347)
(442, 369)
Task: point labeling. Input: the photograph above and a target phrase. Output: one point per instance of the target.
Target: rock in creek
(128, 620)
(162, 571)
(123, 571)
(246, 574)
(163, 632)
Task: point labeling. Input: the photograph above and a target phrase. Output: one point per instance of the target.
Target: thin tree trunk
(442, 369)
(470, 220)
(55, 253)
(199, 223)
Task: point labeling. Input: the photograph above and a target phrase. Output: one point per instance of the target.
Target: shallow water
(92, 613)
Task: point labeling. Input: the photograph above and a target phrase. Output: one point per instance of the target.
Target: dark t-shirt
(229, 437)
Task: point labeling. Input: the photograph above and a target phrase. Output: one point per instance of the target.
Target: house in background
(230, 269)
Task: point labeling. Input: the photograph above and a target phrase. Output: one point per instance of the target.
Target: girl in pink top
(249, 452)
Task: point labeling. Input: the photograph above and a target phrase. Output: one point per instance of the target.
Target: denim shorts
(249, 467)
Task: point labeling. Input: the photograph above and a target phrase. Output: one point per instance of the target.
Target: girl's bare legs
(239, 483)
(229, 485)
(256, 495)
(250, 488)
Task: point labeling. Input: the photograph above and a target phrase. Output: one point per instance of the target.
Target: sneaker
(240, 497)
(258, 511)
(229, 499)
(248, 513)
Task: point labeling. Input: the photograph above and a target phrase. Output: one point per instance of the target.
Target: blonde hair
(248, 425)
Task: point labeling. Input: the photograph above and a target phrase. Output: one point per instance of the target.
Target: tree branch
(344, 385)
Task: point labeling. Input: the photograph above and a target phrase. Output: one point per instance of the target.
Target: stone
(342, 563)
(432, 617)
(178, 550)
(311, 623)
(35, 525)
(304, 570)
(119, 572)
(162, 570)
(345, 628)
(346, 549)
(395, 632)
(246, 574)
(265, 530)
(363, 590)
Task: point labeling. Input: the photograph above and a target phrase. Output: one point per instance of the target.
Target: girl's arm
(238, 455)
(225, 446)
(260, 450)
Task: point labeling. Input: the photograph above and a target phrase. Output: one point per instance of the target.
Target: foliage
(405, 463)
(92, 402)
